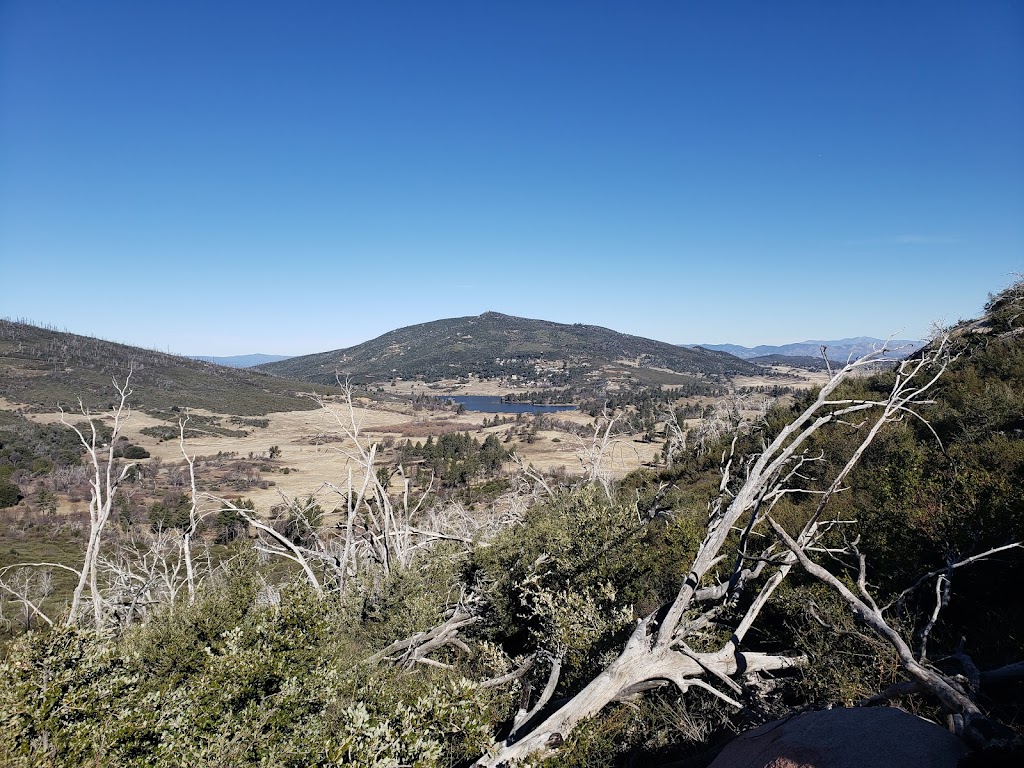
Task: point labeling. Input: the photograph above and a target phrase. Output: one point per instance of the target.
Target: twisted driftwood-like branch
(418, 647)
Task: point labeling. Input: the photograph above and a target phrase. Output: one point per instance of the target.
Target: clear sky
(292, 177)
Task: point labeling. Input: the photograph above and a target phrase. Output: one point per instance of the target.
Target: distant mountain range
(240, 361)
(494, 345)
(838, 350)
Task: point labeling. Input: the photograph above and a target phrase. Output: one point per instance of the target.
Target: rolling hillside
(493, 345)
(40, 367)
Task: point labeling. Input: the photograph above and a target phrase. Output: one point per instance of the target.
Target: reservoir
(494, 404)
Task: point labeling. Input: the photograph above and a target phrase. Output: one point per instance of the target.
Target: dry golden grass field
(315, 446)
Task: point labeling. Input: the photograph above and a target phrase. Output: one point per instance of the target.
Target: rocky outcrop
(877, 737)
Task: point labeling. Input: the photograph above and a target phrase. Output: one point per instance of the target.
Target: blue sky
(225, 178)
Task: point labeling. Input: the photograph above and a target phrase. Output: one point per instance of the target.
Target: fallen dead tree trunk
(642, 666)
(657, 653)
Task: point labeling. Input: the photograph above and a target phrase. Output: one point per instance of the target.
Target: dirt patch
(785, 376)
(470, 386)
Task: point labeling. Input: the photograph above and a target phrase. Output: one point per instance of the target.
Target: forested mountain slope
(42, 366)
(497, 345)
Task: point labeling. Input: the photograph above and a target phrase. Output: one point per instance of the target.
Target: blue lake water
(494, 404)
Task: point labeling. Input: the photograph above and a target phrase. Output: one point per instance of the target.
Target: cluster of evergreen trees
(456, 458)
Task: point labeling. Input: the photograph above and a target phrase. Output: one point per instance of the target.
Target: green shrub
(576, 574)
(173, 511)
(69, 699)
(10, 494)
(131, 452)
(236, 678)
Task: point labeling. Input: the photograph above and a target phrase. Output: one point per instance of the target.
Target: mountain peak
(500, 346)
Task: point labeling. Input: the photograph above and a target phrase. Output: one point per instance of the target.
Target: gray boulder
(875, 737)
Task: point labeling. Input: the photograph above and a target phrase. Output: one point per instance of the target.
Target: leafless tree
(195, 517)
(27, 584)
(383, 528)
(966, 718)
(142, 572)
(273, 542)
(107, 474)
(593, 453)
(66, 479)
(417, 648)
(534, 481)
(675, 435)
(728, 416)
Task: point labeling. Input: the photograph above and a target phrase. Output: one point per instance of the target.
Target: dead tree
(659, 652)
(728, 416)
(417, 648)
(382, 530)
(388, 535)
(27, 587)
(593, 452)
(195, 517)
(675, 435)
(150, 568)
(107, 475)
(144, 571)
(966, 718)
(273, 542)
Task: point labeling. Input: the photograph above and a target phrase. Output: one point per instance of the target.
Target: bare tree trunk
(103, 485)
(194, 518)
(594, 452)
(641, 666)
